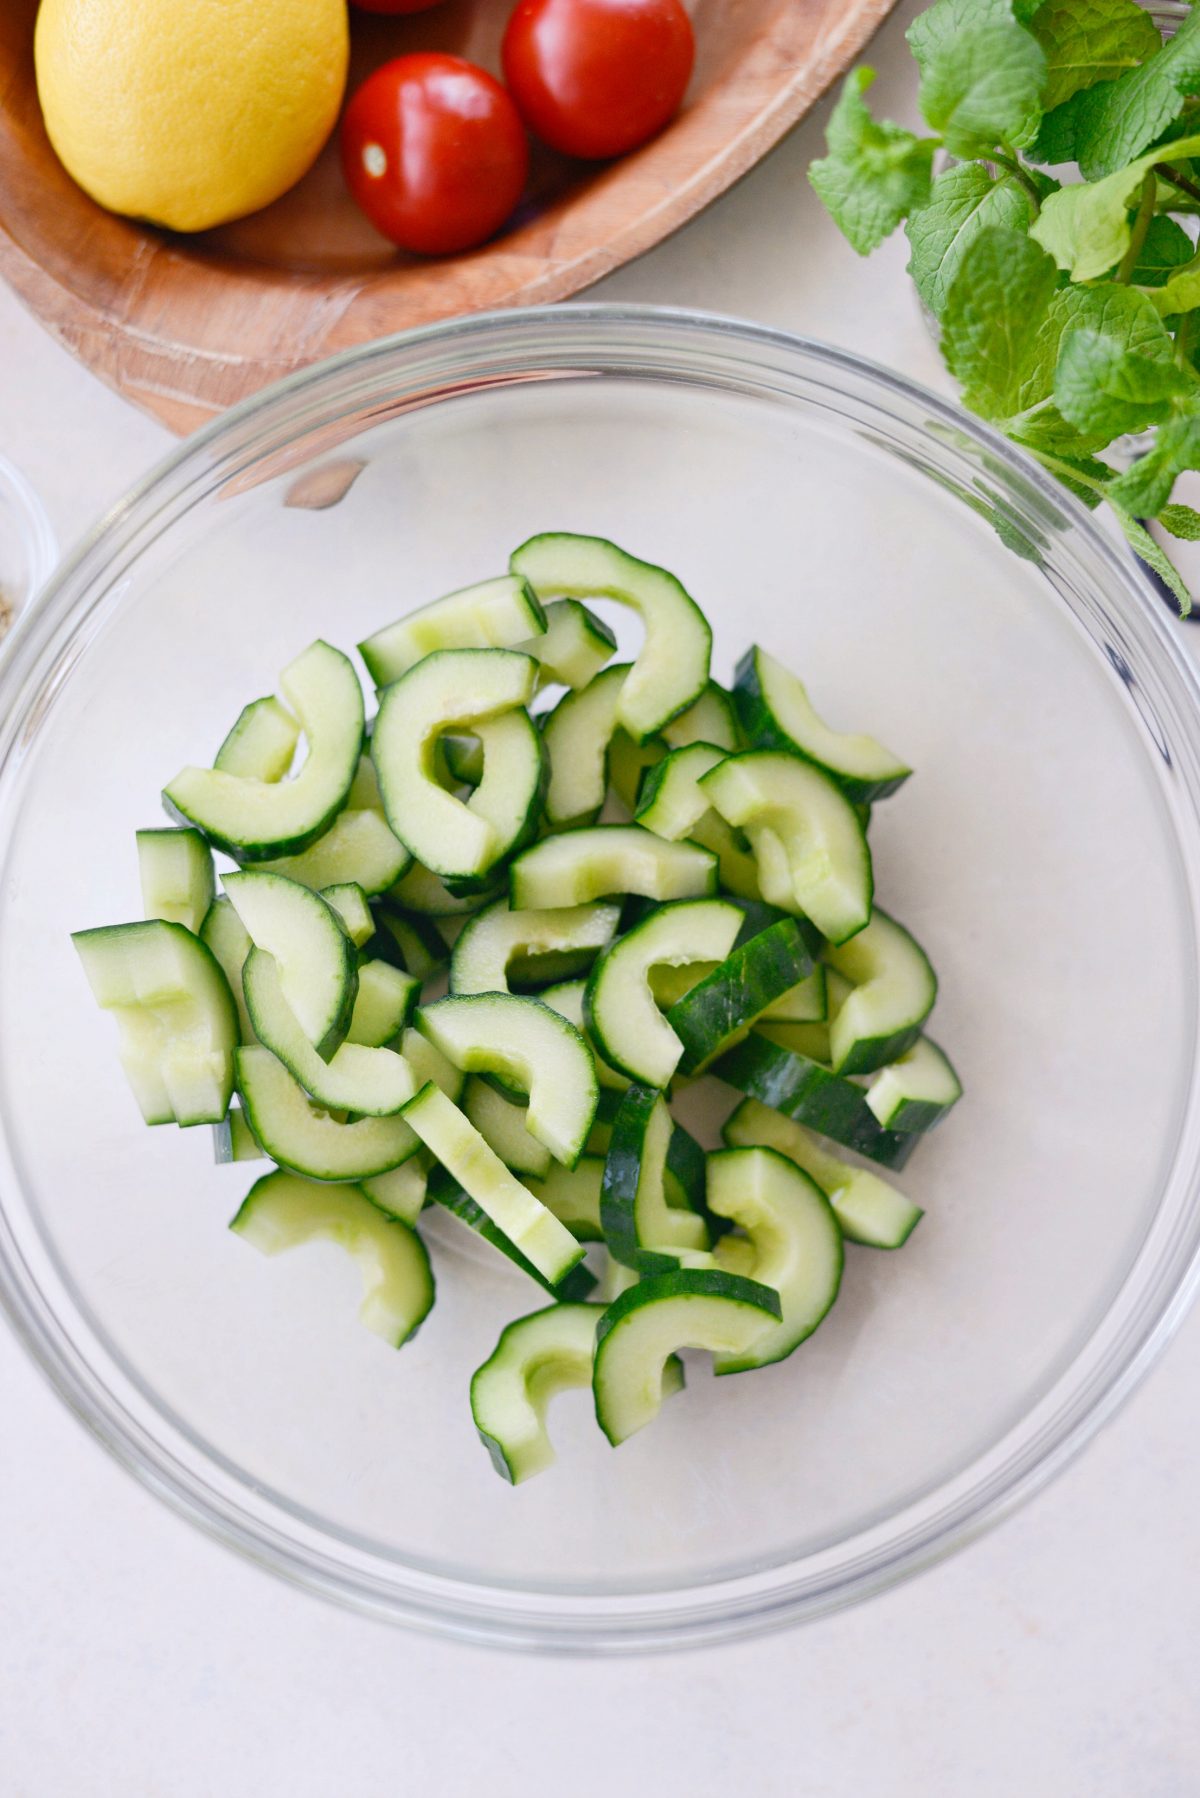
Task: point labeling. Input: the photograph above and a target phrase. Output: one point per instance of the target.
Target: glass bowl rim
(506, 1615)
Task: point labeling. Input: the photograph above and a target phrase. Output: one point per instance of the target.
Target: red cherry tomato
(434, 152)
(595, 78)
(395, 6)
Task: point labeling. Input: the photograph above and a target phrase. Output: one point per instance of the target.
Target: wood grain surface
(185, 326)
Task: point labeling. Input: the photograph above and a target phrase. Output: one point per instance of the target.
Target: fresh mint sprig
(1068, 303)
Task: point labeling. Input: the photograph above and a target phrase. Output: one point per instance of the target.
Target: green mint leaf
(1146, 488)
(874, 173)
(1086, 41)
(1167, 247)
(963, 202)
(993, 312)
(1154, 556)
(1058, 135)
(1117, 120)
(1099, 387)
(1181, 521)
(1024, 10)
(981, 73)
(1180, 292)
(1117, 313)
(1086, 227)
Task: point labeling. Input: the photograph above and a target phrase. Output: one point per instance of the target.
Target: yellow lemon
(190, 112)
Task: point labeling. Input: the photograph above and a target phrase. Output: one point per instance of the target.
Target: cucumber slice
(808, 842)
(545, 1243)
(577, 734)
(526, 1043)
(445, 1191)
(495, 614)
(424, 894)
(811, 1094)
(175, 868)
(176, 1020)
(575, 645)
(412, 941)
(318, 970)
(710, 719)
(671, 801)
(349, 901)
(915, 1091)
(401, 1192)
(627, 765)
(775, 712)
(573, 1195)
(805, 1003)
(262, 744)
(498, 937)
(233, 1139)
(371, 1082)
(386, 1001)
(463, 753)
(640, 1228)
(282, 1211)
(684, 1177)
(894, 988)
(535, 1358)
(302, 1136)
(501, 1123)
(868, 1210)
(255, 820)
(428, 1063)
(690, 1308)
(358, 846)
(605, 859)
(796, 1241)
(672, 669)
(227, 938)
(622, 1018)
(567, 1000)
(448, 835)
(762, 966)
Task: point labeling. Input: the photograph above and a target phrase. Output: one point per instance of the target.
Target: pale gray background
(1056, 1658)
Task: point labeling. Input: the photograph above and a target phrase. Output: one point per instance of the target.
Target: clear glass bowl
(933, 586)
(28, 551)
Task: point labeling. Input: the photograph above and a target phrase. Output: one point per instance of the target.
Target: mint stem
(1008, 159)
(1170, 173)
(1141, 225)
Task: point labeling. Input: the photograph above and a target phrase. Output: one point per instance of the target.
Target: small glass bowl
(28, 551)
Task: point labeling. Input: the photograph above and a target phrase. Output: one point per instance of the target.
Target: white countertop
(1056, 1658)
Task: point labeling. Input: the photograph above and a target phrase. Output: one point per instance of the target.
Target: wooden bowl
(185, 326)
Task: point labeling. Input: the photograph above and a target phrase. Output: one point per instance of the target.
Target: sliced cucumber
(502, 1125)
(766, 961)
(233, 1139)
(805, 1003)
(458, 1146)
(318, 970)
(224, 934)
(495, 614)
(606, 859)
(640, 1228)
(255, 820)
(262, 744)
(386, 1001)
(358, 846)
(428, 1063)
(775, 712)
(370, 1082)
(640, 1330)
(526, 1043)
(448, 835)
(573, 1195)
(444, 1190)
(535, 1358)
(672, 669)
(176, 872)
(868, 1210)
(403, 1190)
(627, 765)
(282, 1211)
(176, 1022)
(577, 734)
(894, 992)
(350, 903)
(684, 1177)
(671, 801)
(709, 719)
(796, 1241)
(813, 1095)
(915, 1091)
(808, 842)
(412, 941)
(622, 1018)
(498, 937)
(302, 1136)
(567, 1000)
(425, 895)
(575, 645)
